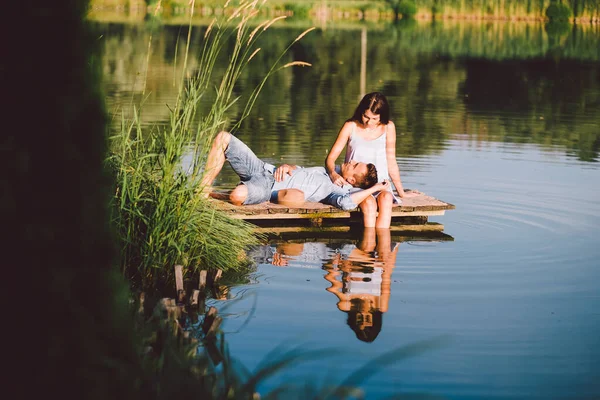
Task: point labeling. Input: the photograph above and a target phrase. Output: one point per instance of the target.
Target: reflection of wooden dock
(330, 236)
(410, 216)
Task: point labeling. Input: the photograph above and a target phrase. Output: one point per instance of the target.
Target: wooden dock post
(179, 284)
(202, 280)
(194, 298)
(179, 277)
(210, 326)
(218, 274)
(209, 318)
(141, 304)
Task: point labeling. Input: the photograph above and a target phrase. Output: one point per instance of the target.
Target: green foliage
(558, 11)
(407, 8)
(535, 9)
(407, 25)
(159, 214)
(556, 28)
(299, 10)
(161, 219)
(585, 9)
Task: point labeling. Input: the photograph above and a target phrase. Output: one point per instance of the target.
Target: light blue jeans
(256, 174)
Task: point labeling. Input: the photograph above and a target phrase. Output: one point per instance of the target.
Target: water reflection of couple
(360, 276)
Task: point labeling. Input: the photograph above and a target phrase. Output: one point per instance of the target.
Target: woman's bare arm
(334, 153)
(390, 152)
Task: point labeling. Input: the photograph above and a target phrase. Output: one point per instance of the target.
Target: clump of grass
(159, 215)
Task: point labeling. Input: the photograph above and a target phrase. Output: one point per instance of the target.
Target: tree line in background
(581, 10)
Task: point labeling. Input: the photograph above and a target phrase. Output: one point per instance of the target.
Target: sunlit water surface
(508, 309)
(515, 294)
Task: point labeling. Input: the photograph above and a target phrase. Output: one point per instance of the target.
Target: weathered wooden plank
(316, 213)
(418, 213)
(290, 216)
(341, 214)
(428, 227)
(341, 234)
(416, 201)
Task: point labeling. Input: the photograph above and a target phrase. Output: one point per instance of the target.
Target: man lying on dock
(289, 185)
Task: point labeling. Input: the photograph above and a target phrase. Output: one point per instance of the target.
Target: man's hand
(282, 171)
(337, 179)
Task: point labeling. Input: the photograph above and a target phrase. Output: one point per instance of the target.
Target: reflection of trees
(125, 56)
(560, 98)
(432, 74)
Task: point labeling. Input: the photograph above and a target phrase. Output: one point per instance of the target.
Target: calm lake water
(502, 120)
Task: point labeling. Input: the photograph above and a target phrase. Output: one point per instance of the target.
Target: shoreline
(330, 14)
(333, 15)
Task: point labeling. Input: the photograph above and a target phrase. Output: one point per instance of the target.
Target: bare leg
(215, 161)
(368, 241)
(290, 197)
(369, 210)
(384, 243)
(385, 201)
(239, 194)
(236, 196)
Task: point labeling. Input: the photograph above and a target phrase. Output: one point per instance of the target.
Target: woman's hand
(382, 185)
(411, 193)
(337, 179)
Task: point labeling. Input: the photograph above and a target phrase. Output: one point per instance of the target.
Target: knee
(290, 197)
(369, 205)
(238, 195)
(385, 199)
(222, 139)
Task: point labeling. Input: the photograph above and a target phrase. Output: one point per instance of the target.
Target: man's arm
(361, 195)
(350, 201)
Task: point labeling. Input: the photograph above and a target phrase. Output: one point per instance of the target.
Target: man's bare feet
(203, 191)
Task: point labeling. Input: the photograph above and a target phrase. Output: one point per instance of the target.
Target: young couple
(361, 181)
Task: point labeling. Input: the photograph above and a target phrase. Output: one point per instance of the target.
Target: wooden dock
(411, 215)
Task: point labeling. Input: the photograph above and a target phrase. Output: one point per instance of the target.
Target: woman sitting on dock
(369, 136)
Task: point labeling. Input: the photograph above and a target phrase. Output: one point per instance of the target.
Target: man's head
(359, 174)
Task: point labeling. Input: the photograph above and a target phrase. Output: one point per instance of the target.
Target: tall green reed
(159, 215)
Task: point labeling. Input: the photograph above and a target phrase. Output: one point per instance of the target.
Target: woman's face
(370, 119)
